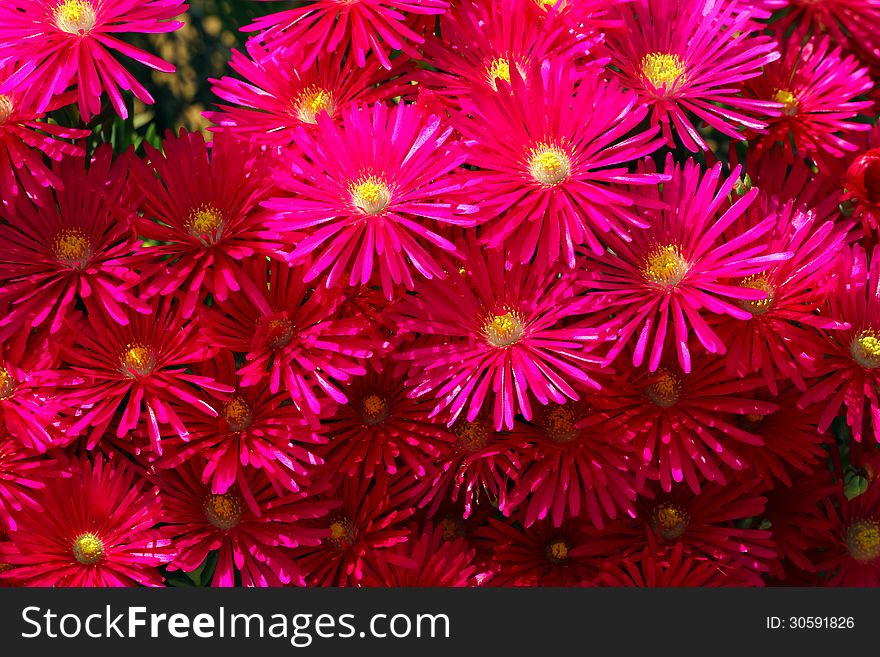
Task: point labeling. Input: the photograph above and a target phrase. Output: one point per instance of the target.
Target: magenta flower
(96, 528)
(372, 210)
(684, 425)
(69, 245)
(23, 474)
(291, 334)
(690, 57)
(496, 336)
(818, 88)
(358, 28)
(548, 176)
(275, 96)
(664, 282)
(63, 42)
(201, 204)
(252, 543)
(851, 364)
(255, 429)
(24, 138)
(139, 369)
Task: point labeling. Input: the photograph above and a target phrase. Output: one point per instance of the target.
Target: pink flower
(667, 280)
(818, 88)
(278, 94)
(850, 368)
(691, 57)
(357, 27)
(291, 335)
(364, 210)
(64, 42)
(24, 138)
(251, 543)
(548, 176)
(69, 245)
(496, 335)
(96, 529)
(201, 207)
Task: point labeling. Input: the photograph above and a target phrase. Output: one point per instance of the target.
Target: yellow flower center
(664, 389)
(789, 101)
(754, 418)
(6, 108)
(557, 551)
(206, 224)
(559, 422)
(863, 540)
(757, 306)
(547, 3)
(138, 360)
(472, 436)
(73, 248)
(370, 194)
(222, 511)
(669, 521)
(374, 410)
(503, 330)
(341, 533)
(865, 349)
(88, 549)
(663, 70)
(75, 16)
(237, 414)
(7, 383)
(312, 101)
(499, 68)
(665, 266)
(280, 333)
(549, 165)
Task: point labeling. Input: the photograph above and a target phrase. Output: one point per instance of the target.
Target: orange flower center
(374, 410)
(72, 248)
(669, 521)
(664, 389)
(863, 540)
(138, 360)
(222, 511)
(237, 414)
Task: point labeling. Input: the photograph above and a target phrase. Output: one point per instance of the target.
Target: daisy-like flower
(547, 175)
(291, 334)
(852, 546)
(96, 529)
(252, 543)
(791, 441)
(24, 138)
(380, 428)
(851, 23)
(364, 209)
(668, 279)
(29, 399)
(69, 245)
(22, 475)
(201, 204)
(495, 337)
(667, 569)
(798, 519)
(482, 42)
(275, 97)
(139, 369)
(851, 363)
(779, 340)
(64, 42)
(357, 28)
(477, 471)
(544, 554)
(363, 530)
(711, 525)
(817, 86)
(427, 559)
(683, 424)
(691, 57)
(255, 429)
(572, 466)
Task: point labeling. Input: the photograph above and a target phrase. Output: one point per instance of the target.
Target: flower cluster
(484, 293)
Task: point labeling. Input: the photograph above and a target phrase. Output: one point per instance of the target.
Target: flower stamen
(222, 511)
(549, 165)
(789, 101)
(206, 224)
(75, 16)
(72, 248)
(665, 266)
(137, 360)
(663, 70)
(863, 540)
(311, 101)
(370, 194)
(237, 414)
(865, 349)
(669, 521)
(664, 389)
(504, 330)
(757, 306)
(88, 549)
(374, 410)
